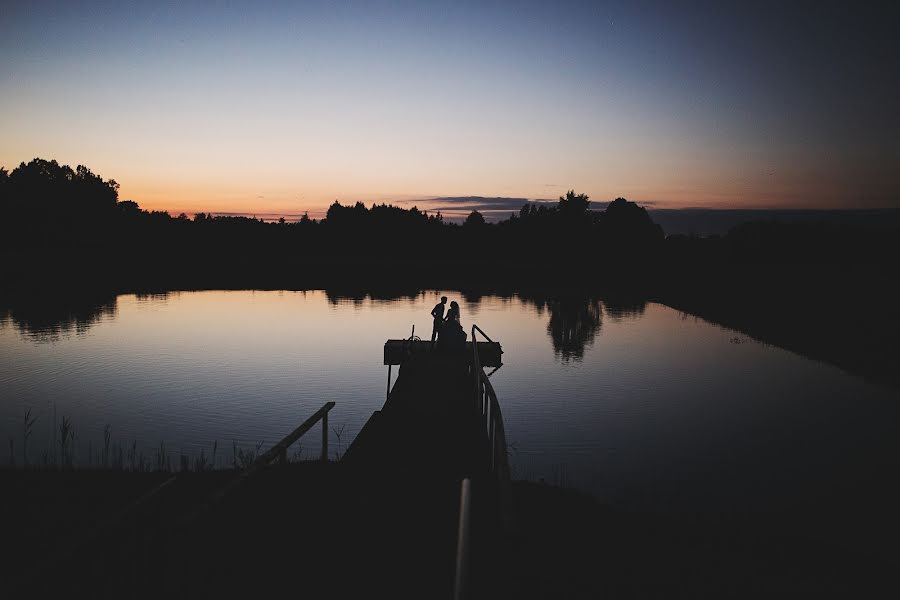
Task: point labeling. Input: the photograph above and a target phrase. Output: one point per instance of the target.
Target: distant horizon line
(454, 213)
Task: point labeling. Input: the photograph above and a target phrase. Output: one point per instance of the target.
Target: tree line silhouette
(51, 206)
(56, 216)
(828, 290)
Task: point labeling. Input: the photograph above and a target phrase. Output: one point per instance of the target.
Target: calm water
(633, 402)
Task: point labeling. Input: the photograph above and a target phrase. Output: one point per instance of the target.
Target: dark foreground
(327, 529)
(384, 522)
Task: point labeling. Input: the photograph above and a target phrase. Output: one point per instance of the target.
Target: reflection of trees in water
(573, 325)
(358, 297)
(154, 297)
(574, 322)
(471, 302)
(622, 307)
(51, 318)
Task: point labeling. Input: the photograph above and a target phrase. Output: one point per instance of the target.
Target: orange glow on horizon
(233, 202)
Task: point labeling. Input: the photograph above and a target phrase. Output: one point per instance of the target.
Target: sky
(281, 108)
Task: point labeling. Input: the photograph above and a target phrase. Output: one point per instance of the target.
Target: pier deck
(428, 422)
(396, 351)
(382, 521)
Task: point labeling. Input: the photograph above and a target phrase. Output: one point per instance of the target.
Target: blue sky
(274, 107)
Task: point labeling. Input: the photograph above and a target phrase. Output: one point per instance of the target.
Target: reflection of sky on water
(632, 401)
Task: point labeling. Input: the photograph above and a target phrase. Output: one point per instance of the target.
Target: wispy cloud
(455, 208)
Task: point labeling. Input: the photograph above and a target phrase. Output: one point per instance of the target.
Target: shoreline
(847, 316)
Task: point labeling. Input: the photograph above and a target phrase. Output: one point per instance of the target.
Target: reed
(63, 451)
(66, 442)
(161, 456)
(202, 463)
(106, 438)
(27, 424)
(244, 458)
(132, 455)
(340, 447)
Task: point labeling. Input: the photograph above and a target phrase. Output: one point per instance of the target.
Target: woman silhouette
(453, 312)
(452, 335)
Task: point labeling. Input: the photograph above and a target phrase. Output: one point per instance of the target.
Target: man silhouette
(438, 314)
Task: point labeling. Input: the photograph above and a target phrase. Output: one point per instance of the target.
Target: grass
(338, 432)
(26, 433)
(63, 452)
(242, 459)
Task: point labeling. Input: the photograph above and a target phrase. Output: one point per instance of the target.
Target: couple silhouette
(447, 330)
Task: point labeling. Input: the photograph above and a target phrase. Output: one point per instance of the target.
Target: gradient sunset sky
(284, 107)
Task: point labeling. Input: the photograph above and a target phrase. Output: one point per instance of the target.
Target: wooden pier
(435, 403)
(411, 509)
(397, 351)
(416, 508)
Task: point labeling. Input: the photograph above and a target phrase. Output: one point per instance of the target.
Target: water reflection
(152, 297)
(359, 296)
(573, 320)
(51, 317)
(656, 408)
(573, 324)
(620, 307)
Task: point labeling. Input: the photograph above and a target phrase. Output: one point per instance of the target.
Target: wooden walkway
(384, 521)
(397, 351)
(427, 424)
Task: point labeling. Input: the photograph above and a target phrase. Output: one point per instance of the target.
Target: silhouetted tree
(626, 226)
(574, 204)
(474, 219)
(130, 208)
(48, 205)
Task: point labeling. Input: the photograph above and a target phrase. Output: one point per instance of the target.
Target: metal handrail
(474, 327)
(279, 450)
(487, 405)
(488, 409)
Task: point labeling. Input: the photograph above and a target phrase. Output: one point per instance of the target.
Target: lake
(634, 402)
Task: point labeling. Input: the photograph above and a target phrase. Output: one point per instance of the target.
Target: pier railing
(279, 450)
(67, 548)
(487, 406)
(488, 409)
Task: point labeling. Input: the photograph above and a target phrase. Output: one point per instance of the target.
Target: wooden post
(477, 388)
(493, 445)
(281, 447)
(461, 581)
(325, 438)
(388, 393)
